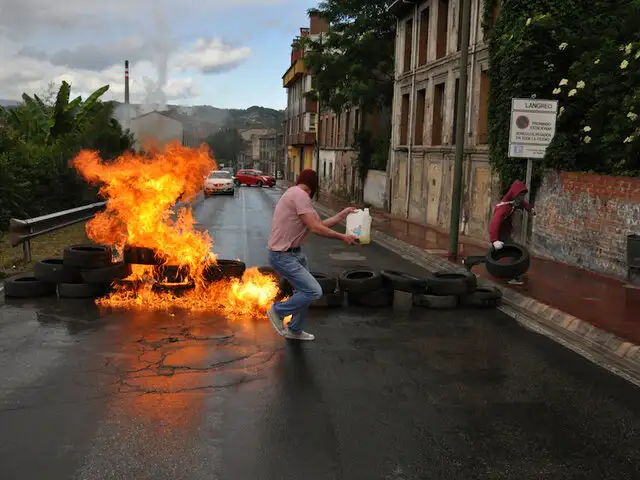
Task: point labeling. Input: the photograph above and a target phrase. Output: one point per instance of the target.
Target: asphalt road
(380, 394)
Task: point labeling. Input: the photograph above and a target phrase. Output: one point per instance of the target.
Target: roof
(155, 111)
(401, 8)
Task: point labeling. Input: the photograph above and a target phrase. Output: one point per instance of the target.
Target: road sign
(533, 126)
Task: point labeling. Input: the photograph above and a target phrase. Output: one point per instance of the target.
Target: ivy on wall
(586, 54)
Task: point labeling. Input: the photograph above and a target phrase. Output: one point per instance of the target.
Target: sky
(224, 53)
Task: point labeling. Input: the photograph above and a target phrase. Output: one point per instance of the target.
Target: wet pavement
(603, 301)
(381, 394)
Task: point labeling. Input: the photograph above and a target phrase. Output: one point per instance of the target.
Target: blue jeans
(306, 289)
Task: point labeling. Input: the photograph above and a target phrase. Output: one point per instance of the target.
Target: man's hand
(498, 244)
(347, 211)
(351, 240)
(533, 212)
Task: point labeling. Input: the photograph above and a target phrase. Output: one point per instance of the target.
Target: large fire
(141, 191)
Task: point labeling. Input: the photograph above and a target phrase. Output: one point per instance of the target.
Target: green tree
(353, 63)
(226, 144)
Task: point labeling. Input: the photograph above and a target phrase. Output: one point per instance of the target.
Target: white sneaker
(275, 320)
(516, 281)
(303, 336)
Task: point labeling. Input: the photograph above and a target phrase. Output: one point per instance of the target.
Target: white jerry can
(359, 224)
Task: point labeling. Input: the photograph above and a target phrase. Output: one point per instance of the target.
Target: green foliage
(373, 151)
(353, 63)
(585, 54)
(37, 141)
(226, 144)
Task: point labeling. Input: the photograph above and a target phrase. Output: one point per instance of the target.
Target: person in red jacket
(501, 227)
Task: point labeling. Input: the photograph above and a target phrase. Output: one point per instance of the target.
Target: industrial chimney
(126, 82)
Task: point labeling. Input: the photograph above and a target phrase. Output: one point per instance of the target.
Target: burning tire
(82, 290)
(360, 280)
(224, 269)
(87, 256)
(142, 256)
(171, 273)
(518, 261)
(53, 270)
(451, 283)
(435, 301)
(482, 297)
(380, 297)
(27, 286)
(106, 275)
(404, 282)
(286, 290)
(327, 283)
(175, 289)
(328, 300)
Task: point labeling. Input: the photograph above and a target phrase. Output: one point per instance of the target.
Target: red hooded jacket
(501, 226)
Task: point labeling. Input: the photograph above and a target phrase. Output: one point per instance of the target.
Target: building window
(331, 170)
(347, 124)
(324, 169)
(421, 101)
(454, 130)
(438, 114)
(459, 26)
(483, 109)
(495, 12)
(338, 136)
(408, 40)
(332, 130)
(404, 119)
(443, 28)
(423, 48)
(356, 125)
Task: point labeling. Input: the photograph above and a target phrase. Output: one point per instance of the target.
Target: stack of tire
(84, 271)
(512, 260)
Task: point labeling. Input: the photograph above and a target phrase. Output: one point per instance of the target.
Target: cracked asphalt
(381, 394)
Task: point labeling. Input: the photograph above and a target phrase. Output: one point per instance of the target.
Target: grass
(46, 246)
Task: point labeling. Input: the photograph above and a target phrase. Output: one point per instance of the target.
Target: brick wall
(583, 220)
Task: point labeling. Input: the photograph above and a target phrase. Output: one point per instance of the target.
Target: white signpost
(533, 126)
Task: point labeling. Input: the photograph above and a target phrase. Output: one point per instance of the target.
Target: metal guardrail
(22, 231)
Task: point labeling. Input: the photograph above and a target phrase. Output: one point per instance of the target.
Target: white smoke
(155, 97)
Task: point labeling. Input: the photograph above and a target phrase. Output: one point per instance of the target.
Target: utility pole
(456, 197)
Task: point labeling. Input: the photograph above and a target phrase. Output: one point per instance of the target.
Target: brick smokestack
(126, 82)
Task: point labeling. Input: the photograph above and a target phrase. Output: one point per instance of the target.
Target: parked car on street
(219, 182)
(254, 177)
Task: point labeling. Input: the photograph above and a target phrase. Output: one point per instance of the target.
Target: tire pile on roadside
(369, 288)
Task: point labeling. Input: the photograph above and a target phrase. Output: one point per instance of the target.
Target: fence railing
(22, 231)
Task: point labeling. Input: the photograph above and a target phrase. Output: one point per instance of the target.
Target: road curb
(603, 348)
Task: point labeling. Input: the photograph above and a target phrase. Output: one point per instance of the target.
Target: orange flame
(141, 191)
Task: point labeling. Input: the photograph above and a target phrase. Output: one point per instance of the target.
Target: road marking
(245, 240)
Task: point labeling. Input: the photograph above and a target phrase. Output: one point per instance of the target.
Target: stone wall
(584, 219)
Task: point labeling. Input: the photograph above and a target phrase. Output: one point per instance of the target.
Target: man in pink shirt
(294, 217)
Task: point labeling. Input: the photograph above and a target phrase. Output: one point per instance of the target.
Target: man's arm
(496, 223)
(338, 217)
(316, 226)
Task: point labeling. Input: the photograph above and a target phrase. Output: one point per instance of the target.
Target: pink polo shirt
(287, 228)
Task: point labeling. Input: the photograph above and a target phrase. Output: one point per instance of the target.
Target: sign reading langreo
(533, 126)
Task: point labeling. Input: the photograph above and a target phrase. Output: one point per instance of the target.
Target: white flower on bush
(628, 48)
(580, 84)
(563, 82)
(561, 111)
(587, 139)
(587, 128)
(632, 116)
(573, 92)
(637, 55)
(629, 139)
(597, 61)
(557, 91)
(528, 21)
(624, 64)
(563, 45)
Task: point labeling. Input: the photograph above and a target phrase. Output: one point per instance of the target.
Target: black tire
(106, 275)
(142, 256)
(259, 184)
(26, 285)
(482, 297)
(87, 256)
(328, 300)
(360, 280)
(271, 186)
(237, 183)
(518, 262)
(224, 269)
(82, 290)
(380, 297)
(435, 301)
(451, 283)
(171, 273)
(327, 283)
(404, 282)
(472, 261)
(175, 289)
(53, 270)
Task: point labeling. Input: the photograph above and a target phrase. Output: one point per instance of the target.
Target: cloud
(211, 56)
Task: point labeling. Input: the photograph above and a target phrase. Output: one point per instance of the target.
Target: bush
(586, 55)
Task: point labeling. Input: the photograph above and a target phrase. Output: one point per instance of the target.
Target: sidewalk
(602, 301)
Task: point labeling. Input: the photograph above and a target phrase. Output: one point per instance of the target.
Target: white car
(219, 182)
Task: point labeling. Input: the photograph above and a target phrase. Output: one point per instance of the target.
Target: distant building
(157, 129)
(251, 157)
(268, 149)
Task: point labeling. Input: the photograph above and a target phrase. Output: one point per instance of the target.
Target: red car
(254, 177)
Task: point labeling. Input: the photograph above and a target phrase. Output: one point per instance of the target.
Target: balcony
(306, 138)
(294, 73)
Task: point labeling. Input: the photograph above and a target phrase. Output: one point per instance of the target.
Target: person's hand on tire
(351, 240)
(498, 245)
